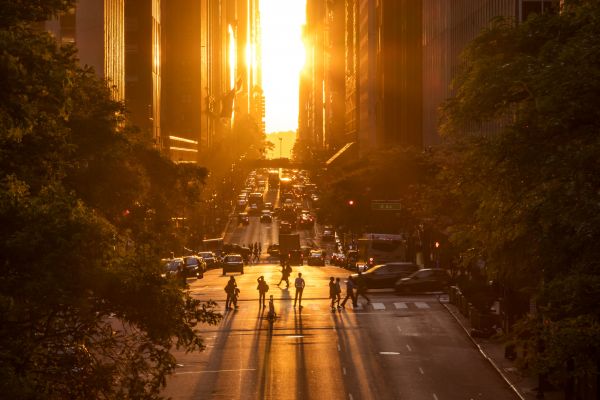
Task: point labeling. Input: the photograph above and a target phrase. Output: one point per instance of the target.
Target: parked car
(233, 263)
(316, 257)
(423, 281)
(209, 258)
(171, 266)
(385, 276)
(194, 266)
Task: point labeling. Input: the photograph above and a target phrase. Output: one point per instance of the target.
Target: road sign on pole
(386, 205)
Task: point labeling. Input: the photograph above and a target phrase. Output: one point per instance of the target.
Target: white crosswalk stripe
(316, 307)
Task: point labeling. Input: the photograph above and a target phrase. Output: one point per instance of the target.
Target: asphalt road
(394, 348)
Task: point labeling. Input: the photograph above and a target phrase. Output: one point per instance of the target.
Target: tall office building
(447, 29)
(211, 73)
(97, 28)
(143, 66)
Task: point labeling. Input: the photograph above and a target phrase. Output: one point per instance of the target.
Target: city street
(394, 348)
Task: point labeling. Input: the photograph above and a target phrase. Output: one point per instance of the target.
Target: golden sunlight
(283, 57)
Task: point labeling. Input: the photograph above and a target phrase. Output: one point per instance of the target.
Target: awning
(344, 155)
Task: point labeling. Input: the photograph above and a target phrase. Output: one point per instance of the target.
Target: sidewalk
(493, 351)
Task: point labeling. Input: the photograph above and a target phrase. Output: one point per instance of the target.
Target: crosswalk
(323, 307)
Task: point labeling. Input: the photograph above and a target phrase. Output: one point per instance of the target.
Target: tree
(85, 211)
(523, 149)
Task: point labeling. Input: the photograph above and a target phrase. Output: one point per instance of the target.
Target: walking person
(285, 275)
(338, 292)
(332, 294)
(349, 292)
(262, 288)
(231, 290)
(299, 285)
(361, 288)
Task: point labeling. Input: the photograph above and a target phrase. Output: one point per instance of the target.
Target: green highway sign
(386, 205)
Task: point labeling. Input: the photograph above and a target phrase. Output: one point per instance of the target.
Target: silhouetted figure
(232, 291)
(349, 292)
(361, 288)
(299, 285)
(262, 288)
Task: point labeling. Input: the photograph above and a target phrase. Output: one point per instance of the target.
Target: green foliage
(521, 171)
(85, 212)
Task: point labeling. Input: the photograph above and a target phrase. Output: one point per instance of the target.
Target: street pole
(280, 146)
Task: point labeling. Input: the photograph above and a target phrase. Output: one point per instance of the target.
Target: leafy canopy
(85, 213)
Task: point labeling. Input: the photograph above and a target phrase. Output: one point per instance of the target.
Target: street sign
(386, 205)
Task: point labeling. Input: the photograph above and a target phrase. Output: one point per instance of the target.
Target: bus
(378, 248)
(273, 178)
(215, 245)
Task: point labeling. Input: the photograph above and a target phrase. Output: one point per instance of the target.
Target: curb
(484, 354)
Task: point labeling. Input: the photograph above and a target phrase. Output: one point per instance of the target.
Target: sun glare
(282, 59)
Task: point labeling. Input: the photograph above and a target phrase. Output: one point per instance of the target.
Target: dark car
(328, 235)
(209, 258)
(243, 219)
(385, 276)
(295, 257)
(194, 266)
(273, 250)
(338, 259)
(285, 227)
(316, 257)
(233, 263)
(266, 217)
(423, 281)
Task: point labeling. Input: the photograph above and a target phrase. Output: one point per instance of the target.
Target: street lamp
(280, 146)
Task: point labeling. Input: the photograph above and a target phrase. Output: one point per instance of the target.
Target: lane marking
(421, 304)
(435, 397)
(378, 306)
(294, 336)
(400, 306)
(339, 348)
(215, 371)
(389, 353)
(344, 370)
(350, 396)
(408, 347)
(399, 329)
(421, 371)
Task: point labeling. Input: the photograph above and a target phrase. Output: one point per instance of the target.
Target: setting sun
(282, 59)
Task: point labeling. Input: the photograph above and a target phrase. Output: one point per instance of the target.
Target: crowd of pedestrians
(355, 287)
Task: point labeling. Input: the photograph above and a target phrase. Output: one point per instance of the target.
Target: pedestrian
(361, 288)
(256, 255)
(262, 288)
(285, 275)
(259, 248)
(338, 292)
(181, 274)
(299, 284)
(230, 289)
(349, 292)
(332, 294)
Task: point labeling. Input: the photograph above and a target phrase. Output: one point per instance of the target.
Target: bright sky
(282, 59)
